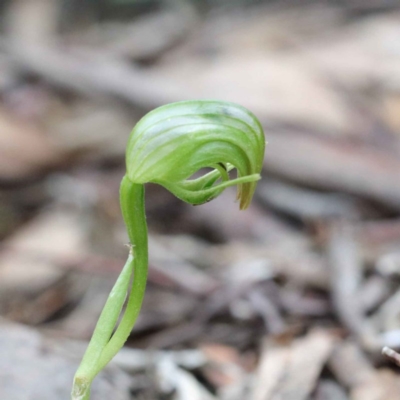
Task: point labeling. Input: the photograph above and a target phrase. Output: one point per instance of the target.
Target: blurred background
(292, 299)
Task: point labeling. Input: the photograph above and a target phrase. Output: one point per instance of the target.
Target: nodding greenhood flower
(168, 146)
(173, 142)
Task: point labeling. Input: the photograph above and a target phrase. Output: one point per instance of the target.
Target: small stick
(394, 356)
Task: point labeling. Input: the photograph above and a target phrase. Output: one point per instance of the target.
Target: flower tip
(246, 191)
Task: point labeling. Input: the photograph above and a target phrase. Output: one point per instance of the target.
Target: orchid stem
(104, 345)
(133, 210)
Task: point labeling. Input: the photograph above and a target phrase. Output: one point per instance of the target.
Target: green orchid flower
(168, 146)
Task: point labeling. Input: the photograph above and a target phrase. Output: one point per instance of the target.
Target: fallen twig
(393, 356)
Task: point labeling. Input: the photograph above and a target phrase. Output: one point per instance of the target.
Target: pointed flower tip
(246, 192)
(172, 142)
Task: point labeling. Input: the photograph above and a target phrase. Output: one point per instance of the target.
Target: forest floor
(292, 299)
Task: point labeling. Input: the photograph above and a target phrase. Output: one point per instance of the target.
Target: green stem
(102, 333)
(133, 211)
(104, 345)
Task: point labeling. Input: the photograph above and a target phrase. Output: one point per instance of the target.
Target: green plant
(167, 146)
